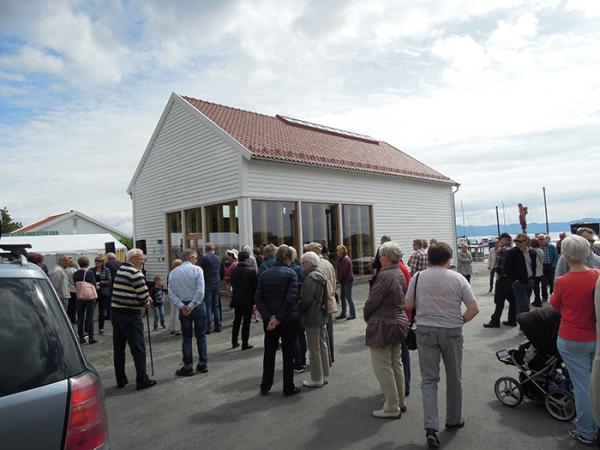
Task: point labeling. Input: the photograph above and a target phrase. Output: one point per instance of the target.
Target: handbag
(411, 337)
(85, 291)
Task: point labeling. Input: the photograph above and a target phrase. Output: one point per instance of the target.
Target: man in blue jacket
(550, 261)
(211, 266)
(276, 298)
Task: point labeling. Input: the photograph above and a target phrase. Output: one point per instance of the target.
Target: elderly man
(60, 280)
(211, 266)
(377, 261)
(269, 258)
(549, 265)
(112, 264)
(519, 266)
(314, 317)
(592, 261)
(129, 298)
(277, 300)
(503, 290)
(186, 291)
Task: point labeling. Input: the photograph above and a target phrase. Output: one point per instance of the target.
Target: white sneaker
(383, 414)
(313, 384)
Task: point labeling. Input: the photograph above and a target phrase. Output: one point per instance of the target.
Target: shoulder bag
(85, 291)
(411, 337)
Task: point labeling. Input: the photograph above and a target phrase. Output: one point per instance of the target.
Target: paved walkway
(223, 409)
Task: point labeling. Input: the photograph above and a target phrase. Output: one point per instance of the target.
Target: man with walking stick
(186, 291)
(129, 298)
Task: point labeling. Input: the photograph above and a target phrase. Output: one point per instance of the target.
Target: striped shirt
(130, 289)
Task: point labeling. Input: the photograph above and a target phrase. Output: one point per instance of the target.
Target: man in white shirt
(60, 281)
(186, 292)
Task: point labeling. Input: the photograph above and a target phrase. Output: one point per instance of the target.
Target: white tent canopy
(65, 243)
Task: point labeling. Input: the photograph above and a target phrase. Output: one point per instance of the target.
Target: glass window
(193, 222)
(273, 223)
(36, 344)
(358, 236)
(320, 224)
(222, 226)
(174, 236)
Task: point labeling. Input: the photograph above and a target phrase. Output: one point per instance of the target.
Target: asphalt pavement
(223, 409)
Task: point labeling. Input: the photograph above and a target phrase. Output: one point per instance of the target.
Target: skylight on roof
(316, 126)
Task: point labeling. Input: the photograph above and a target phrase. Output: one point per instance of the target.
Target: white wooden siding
(188, 165)
(402, 208)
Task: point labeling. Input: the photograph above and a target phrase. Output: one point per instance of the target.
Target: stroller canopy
(541, 328)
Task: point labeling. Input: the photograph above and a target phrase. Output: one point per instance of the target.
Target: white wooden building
(233, 177)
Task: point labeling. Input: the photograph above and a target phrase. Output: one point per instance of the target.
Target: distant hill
(492, 230)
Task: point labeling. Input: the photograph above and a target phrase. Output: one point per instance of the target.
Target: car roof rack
(15, 252)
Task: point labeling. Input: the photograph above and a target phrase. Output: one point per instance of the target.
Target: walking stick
(150, 342)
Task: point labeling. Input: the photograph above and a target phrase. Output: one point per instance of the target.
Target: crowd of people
(297, 301)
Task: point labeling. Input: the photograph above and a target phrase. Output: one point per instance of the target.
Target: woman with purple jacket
(345, 277)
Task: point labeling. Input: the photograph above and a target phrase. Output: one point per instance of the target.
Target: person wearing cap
(503, 292)
(592, 261)
(549, 265)
(520, 266)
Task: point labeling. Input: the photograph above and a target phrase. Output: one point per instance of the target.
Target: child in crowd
(156, 292)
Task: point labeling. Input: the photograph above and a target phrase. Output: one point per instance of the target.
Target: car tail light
(87, 429)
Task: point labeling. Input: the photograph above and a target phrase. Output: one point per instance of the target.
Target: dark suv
(50, 395)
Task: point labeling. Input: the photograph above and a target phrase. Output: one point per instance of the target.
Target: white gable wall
(189, 164)
(402, 208)
(78, 225)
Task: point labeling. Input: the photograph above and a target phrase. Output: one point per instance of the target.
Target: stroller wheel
(508, 391)
(560, 404)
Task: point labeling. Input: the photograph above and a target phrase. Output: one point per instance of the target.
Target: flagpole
(546, 211)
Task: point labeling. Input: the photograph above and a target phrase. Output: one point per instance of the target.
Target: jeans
(447, 343)
(159, 313)
(128, 328)
(300, 349)
(522, 292)
(243, 316)
(579, 356)
(72, 308)
(406, 366)
(103, 310)
(317, 350)
(548, 280)
(387, 365)
(346, 297)
(197, 319)
(287, 331)
(504, 293)
(85, 318)
(212, 305)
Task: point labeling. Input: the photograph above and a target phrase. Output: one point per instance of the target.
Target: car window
(36, 345)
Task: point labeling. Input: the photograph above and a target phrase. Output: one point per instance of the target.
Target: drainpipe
(454, 245)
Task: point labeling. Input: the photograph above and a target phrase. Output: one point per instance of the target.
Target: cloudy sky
(501, 95)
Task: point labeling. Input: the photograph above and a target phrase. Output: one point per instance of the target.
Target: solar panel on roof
(327, 129)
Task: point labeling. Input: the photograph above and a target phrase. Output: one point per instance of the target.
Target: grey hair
(283, 253)
(393, 251)
(270, 250)
(523, 235)
(111, 255)
(312, 258)
(294, 253)
(188, 253)
(134, 252)
(247, 249)
(575, 249)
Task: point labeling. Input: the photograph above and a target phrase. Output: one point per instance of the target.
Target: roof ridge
(185, 97)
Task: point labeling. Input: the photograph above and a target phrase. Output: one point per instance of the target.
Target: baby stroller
(542, 373)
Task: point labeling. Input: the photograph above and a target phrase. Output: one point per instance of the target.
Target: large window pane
(222, 226)
(193, 237)
(174, 235)
(273, 223)
(320, 224)
(358, 237)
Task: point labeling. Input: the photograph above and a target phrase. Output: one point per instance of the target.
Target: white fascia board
(159, 126)
(220, 131)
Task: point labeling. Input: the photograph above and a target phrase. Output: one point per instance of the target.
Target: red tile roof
(35, 225)
(284, 139)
